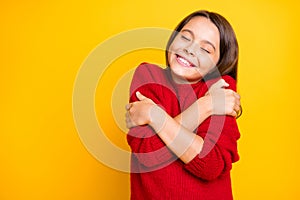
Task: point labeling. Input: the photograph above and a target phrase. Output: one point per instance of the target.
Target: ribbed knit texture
(156, 172)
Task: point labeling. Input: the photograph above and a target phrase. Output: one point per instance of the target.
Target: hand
(138, 113)
(224, 101)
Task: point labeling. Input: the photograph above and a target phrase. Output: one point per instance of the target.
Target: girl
(183, 132)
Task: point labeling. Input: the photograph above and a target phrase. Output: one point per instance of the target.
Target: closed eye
(185, 38)
(203, 49)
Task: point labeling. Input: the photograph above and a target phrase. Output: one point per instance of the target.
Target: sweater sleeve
(219, 150)
(145, 145)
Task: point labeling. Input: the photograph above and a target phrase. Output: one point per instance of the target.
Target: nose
(189, 50)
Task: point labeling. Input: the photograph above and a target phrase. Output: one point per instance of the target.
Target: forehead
(202, 28)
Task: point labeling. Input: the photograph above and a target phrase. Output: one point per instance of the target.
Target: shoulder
(149, 76)
(147, 73)
(231, 81)
(146, 69)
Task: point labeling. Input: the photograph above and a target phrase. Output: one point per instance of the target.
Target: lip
(183, 61)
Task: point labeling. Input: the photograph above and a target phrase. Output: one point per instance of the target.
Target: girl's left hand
(139, 112)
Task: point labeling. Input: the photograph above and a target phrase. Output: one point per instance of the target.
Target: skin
(193, 54)
(197, 43)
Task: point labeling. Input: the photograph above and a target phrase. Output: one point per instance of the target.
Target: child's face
(195, 51)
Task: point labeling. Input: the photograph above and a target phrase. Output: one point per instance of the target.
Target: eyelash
(187, 39)
(205, 50)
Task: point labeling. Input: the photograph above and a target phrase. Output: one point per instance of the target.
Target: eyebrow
(205, 41)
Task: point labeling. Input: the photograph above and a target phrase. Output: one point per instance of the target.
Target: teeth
(184, 61)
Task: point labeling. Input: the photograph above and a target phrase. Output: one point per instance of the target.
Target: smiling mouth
(184, 62)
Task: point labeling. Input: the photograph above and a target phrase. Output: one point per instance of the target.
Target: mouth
(184, 62)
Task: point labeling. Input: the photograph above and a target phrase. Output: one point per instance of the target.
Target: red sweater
(156, 173)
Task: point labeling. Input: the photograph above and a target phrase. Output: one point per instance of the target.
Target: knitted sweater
(156, 173)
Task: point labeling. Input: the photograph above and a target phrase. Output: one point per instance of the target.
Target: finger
(238, 102)
(140, 96)
(128, 121)
(236, 98)
(237, 95)
(128, 106)
(127, 115)
(143, 98)
(129, 125)
(233, 113)
(237, 108)
(221, 83)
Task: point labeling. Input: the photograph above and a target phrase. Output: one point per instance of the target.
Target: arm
(145, 144)
(186, 122)
(183, 125)
(208, 154)
(215, 154)
(147, 148)
(219, 151)
(182, 142)
(206, 106)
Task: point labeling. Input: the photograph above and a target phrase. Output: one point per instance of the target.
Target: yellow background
(42, 46)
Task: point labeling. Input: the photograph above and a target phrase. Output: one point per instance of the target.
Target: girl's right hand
(223, 101)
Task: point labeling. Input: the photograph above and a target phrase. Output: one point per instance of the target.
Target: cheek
(206, 62)
(217, 58)
(177, 45)
(173, 49)
(169, 57)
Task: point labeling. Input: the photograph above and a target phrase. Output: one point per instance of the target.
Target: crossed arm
(177, 133)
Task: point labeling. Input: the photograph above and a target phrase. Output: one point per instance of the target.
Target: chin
(179, 73)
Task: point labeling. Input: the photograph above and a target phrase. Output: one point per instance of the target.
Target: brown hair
(228, 61)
